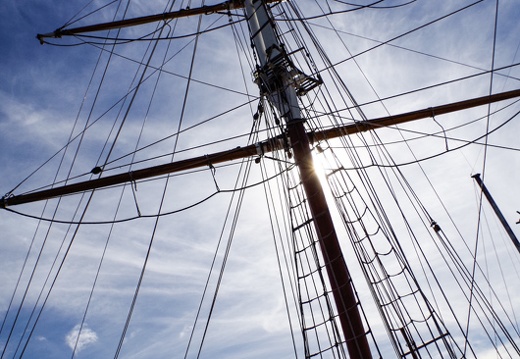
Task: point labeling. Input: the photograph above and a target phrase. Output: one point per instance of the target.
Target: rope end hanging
(213, 172)
(442, 128)
(133, 186)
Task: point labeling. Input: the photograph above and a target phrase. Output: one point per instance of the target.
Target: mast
(275, 80)
(278, 90)
(497, 211)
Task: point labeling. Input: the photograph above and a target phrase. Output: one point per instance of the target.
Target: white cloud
(86, 337)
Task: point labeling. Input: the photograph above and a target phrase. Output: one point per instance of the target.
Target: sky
(48, 93)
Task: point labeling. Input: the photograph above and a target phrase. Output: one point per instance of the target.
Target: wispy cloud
(41, 93)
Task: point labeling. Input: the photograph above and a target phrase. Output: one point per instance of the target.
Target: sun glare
(320, 165)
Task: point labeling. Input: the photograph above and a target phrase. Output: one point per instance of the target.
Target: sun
(320, 164)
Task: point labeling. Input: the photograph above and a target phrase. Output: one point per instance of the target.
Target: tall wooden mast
(497, 211)
(277, 85)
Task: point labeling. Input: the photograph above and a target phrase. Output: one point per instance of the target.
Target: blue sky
(41, 93)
